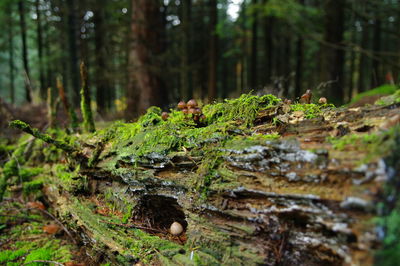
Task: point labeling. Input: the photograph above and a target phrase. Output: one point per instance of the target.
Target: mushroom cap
(185, 111)
(197, 111)
(164, 116)
(176, 229)
(181, 105)
(191, 103)
(192, 111)
(322, 100)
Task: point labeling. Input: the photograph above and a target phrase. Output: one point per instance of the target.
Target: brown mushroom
(164, 116)
(192, 103)
(322, 100)
(306, 97)
(181, 105)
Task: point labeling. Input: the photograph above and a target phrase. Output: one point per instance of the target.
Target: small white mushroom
(176, 229)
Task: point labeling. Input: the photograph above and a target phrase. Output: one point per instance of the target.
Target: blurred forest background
(151, 52)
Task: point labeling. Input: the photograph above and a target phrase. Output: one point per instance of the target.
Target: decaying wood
(292, 201)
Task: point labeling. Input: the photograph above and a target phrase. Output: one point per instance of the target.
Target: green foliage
(381, 90)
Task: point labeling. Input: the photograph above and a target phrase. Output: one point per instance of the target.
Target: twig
(60, 223)
(44, 261)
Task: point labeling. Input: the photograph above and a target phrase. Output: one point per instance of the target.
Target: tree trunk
(185, 84)
(213, 51)
(297, 199)
(102, 71)
(268, 46)
(72, 29)
(298, 88)
(376, 47)
(363, 62)
(39, 37)
(254, 48)
(332, 57)
(25, 58)
(11, 52)
(148, 44)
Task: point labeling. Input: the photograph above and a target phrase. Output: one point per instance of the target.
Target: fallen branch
(45, 137)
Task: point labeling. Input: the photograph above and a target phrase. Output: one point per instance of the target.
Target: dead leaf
(71, 263)
(36, 205)
(51, 229)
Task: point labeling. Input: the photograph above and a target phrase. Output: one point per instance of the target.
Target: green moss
(11, 168)
(71, 181)
(310, 110)
(382, 90)
(388, 221)
(391, 99)
(32, 186)
(374, 144)
(243, 109)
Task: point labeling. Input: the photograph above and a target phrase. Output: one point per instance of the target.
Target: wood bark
(25, 57)
(146, 86)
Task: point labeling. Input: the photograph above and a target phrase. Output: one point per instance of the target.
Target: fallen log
(258, 182)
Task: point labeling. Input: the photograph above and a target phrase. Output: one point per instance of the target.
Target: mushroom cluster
(192, 108)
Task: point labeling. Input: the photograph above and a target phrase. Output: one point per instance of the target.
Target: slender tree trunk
(186, 88)
(21, 9)
(298, 88)
(362, 67)
(40, 48)
(101, 78)
(299, 67)
(254, 49)
(146, 81)
(376, 46)
(332, 56)
(73, 50)
(268, 35)
(213, 53)
(48, 69)
(11, 53)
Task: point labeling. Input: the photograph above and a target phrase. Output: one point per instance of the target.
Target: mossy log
(299, 185)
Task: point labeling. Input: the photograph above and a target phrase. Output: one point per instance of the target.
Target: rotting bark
(292, 200)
